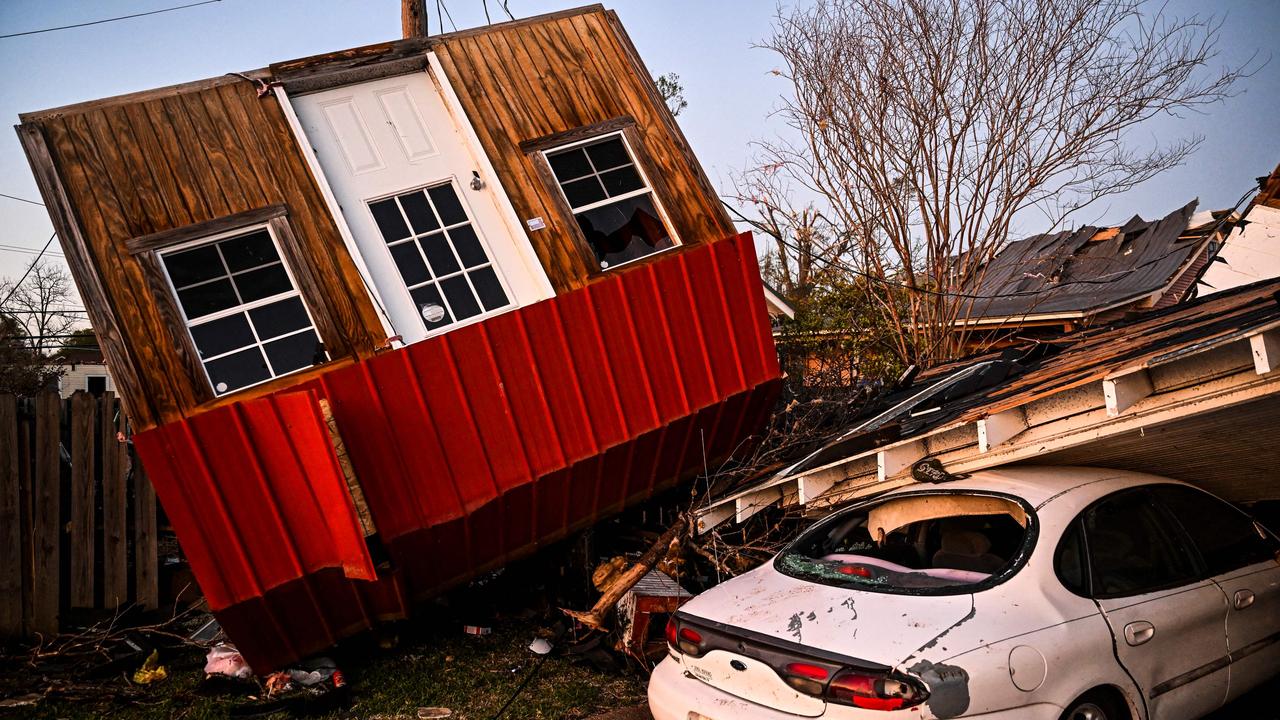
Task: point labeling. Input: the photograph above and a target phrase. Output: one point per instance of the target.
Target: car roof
(1040, 484)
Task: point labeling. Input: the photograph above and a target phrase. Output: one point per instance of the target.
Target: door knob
(1137, 633)
(1243, 599)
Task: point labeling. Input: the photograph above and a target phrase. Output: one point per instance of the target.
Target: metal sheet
(473, 447)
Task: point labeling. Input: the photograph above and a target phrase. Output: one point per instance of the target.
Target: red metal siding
(472, 448)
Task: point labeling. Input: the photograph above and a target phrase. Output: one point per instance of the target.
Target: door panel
(1168, 623)
(386, 146)
(1178, 656)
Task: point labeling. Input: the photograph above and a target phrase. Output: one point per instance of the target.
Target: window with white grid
(243, 309)
(441, 259)
(611, 200)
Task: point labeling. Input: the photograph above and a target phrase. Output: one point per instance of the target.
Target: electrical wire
(112, 19)
(21, 199)
(30, 267)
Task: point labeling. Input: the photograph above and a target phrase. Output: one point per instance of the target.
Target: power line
(30, 267)
(21, 199)
(27, 250)
(112, 19)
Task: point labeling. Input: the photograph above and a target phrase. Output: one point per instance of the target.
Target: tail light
(685, 640)
(874, 691)
(805, 677)
(855, 570)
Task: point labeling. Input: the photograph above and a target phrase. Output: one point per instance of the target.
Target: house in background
(1252, 251)
(441, 300)
(1060, 282)
(91, 376)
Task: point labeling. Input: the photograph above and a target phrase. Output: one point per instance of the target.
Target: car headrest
(965, 542)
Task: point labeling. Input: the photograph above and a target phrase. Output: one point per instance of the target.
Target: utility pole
(413, 18)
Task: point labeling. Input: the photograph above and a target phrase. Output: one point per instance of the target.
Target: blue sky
(708, 42)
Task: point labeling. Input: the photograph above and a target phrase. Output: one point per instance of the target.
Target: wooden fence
(77, 515)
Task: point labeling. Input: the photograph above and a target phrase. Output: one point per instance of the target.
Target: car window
(920, 543)
(1069, 561)
(1134, 547)
(1226, 538)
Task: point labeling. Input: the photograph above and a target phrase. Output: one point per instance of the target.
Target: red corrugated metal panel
(473, 447)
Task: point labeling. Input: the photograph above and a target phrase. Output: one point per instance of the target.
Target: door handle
(1243, 599)
(1137, 633)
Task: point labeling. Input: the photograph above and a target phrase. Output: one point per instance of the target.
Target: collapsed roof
(1084, 271)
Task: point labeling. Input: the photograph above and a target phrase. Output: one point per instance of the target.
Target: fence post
(82, 500)
(10, 521)
(115, 558)
(47, 534)
(145, 554)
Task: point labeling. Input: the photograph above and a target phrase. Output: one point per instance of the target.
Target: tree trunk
(413, 18)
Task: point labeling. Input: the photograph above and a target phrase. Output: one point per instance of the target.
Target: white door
(427, 220)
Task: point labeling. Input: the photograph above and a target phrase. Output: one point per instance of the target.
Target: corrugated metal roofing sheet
(472, 448)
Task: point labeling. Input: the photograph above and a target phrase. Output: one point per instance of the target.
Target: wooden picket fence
(77, 515)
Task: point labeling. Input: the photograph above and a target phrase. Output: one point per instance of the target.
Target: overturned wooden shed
(453, 297)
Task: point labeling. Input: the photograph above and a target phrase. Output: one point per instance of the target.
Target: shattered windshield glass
(920, 542)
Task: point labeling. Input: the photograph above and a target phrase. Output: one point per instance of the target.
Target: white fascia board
(996, 429)
(894, 459)
(1265, 348)
(1124, 389)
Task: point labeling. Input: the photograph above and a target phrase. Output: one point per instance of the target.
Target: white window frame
(644, 178)
(453, 182)
(241, 308)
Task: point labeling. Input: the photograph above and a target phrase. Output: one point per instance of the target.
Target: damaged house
(389, 317)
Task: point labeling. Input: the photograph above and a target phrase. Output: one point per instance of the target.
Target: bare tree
(923, 127)
(672, 92)
(39, 306)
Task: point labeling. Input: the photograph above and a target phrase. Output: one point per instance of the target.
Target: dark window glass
(428, 296)
(608, 154)
(1226, 538)
(409, 260)
(447, 205)
(279, 318)
(625, 230)
(468, 246)
(1133, 546)
(419, 212)
(96, 385)
(460, 297)
(223, 335)
(263, 283)
(441, 258)
(488, 288)
(295, 352)
(569, 165)
(1069, 561)
(238, 370)
(192, 266)
(246, 251)
(622, 180)
(208, 298)
(390, 222)
(583, 192)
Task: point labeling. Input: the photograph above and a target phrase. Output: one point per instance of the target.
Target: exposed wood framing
(896, 459)
(995, 429)
(1265, 347)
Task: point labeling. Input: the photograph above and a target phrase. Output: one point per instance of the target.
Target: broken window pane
(623, 231)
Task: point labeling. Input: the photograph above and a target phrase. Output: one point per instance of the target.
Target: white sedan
(1024, 592)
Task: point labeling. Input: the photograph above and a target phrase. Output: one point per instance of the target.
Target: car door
(1244, 560)
(1167, 620)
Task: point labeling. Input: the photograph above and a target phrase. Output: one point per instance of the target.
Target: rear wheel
(1096, 705)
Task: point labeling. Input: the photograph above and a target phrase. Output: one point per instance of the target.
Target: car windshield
(913, 543)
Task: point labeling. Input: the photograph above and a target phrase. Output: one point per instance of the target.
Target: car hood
(882, 628)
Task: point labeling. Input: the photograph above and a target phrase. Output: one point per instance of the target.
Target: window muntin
(611, 200)
(446, 268)
(243, 309)
(1226, 538)
(933, 554)
(1134, 547)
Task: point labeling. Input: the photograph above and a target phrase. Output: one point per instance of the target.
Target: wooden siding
(521, 82)
(161, 162)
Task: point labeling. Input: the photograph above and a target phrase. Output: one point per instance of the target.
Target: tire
(1096, 705)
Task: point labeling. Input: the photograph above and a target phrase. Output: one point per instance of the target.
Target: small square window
(614, 206)
(243, 310)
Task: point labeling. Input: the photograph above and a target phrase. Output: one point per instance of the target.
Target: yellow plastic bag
(151, 670)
